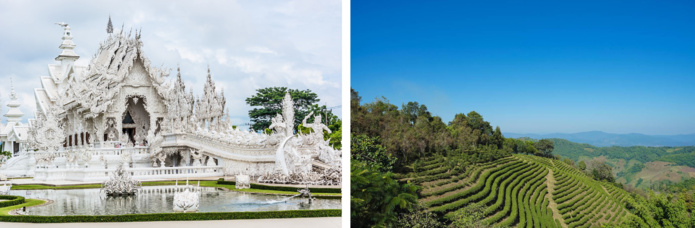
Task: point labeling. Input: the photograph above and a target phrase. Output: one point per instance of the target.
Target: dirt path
(552, 205)
(608, 210)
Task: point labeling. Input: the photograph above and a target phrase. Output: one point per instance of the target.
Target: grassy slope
(624, 158)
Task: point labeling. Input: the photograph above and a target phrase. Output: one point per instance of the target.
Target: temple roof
(94, 86)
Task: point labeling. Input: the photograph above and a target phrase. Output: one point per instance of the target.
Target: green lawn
(36, 186)
(156, 183)
(27, 203)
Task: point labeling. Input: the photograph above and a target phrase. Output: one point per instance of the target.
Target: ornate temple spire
(178, 73)
(109, 26)
(288, 113)
(209, 75)
(13, 95)
(67, 57)
(14, 114)
(209, 89)
(67, 45)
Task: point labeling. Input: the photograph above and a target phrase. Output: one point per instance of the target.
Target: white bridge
(223, 156)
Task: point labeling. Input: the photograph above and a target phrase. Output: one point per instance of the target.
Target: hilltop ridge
(603, 139)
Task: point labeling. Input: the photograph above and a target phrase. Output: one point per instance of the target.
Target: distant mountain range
(599, 138)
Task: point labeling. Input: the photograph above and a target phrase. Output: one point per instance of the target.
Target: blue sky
(533, 67)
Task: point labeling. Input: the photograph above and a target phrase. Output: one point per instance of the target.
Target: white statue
(126, 158)
(197, 157)
(278, 125)
(186, 201)
(317, 126)
(121, 183)
(242, 181)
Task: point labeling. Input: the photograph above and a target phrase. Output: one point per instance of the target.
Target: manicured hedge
(174, 216)
(283, 188)
(11, 200)
(220, 181)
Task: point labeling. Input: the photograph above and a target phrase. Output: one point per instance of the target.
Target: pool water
(154, 199)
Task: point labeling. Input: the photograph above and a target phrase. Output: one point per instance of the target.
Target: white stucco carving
(242, 181)
(186, 201)
(121, 183)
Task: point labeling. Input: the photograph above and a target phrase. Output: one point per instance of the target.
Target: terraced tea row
(514, 191)
(582, 201)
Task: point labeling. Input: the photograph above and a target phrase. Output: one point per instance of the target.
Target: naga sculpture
(121, 183)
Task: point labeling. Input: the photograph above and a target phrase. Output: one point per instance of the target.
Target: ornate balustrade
(98, 175)
(175, 188)
(220, 147)
(144, 150)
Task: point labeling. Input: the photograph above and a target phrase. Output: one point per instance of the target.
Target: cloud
(261, 50)
(248, 45)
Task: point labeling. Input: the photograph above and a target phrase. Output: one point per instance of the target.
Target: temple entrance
(174, 160)
(136, 121)
(130, 132)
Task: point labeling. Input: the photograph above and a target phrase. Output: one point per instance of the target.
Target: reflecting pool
(159, 199)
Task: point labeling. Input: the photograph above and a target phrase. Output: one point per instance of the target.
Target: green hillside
(521, 191)
(409, 168)
(576, 151)
(637, 166)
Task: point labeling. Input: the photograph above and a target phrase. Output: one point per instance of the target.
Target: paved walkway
(329, 222)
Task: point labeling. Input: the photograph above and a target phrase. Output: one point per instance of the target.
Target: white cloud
(261, 50)
(247, 44)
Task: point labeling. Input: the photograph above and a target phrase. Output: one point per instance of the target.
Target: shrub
(174, 216)
(11, 200)
(283, 188)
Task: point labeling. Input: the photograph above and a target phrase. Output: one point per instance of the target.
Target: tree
(582, 165)
(531, 148)
(520, 146)
(270, 101)
(483, 128)
(412, 110)
(369, 150)
(667, 210)
(545, 148)
(497, 138)
(601, 171)
(376, 197)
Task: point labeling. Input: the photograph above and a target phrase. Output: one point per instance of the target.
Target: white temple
(14, 134)
(120, 109)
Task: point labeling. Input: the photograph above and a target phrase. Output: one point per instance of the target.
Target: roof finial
(63, 24)
(13, 95)
(109, 27)
(178, 74)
